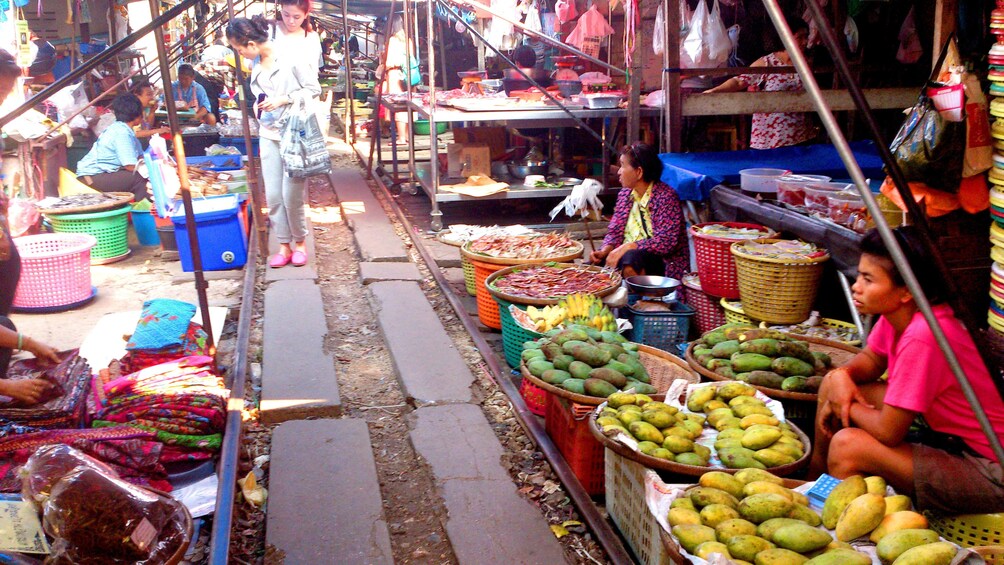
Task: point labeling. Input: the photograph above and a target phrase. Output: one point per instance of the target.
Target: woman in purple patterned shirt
(647, 234)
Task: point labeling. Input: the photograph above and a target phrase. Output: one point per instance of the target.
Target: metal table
(428, 176)
(393, 107)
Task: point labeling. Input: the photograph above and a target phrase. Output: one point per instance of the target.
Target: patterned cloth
(163, 324)
(777, 129)
(194, 342)
(669, 237)
(183, 402)
(65, 406)
(639, 219)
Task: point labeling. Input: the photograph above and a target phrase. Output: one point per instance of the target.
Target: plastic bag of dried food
(51, 463)
(98, 518)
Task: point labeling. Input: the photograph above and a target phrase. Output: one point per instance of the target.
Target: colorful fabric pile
(131, 452)
(64, 406)
(164, 333)
(183, 402)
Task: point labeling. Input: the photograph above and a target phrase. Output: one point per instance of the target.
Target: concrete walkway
(487, 520)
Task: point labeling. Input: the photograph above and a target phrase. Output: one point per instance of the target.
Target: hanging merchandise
(707, 43)
(659, 32)
(500, 32)
(851, 34)
(532, 21)
(910, 48)
(23, 43)
(565, 10)
(979, 144)
(734, 60)
(631, 20)
(592, 27)
(814, 38)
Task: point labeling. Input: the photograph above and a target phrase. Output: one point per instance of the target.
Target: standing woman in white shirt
(278, 80)
(294, 34)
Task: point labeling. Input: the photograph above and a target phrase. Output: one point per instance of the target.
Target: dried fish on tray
(532, 246)
(80, 203)
(550, 281)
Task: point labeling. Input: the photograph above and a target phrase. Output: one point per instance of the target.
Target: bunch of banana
(588, 310)
(546, 318)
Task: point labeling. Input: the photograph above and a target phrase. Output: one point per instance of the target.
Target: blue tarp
(693, 175)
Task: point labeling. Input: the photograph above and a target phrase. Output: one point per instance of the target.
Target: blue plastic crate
(216, 162)
(222, 240)
(238, 142)
(661, 330)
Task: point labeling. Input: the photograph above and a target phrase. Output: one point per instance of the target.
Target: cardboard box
(493, 136)
(466, 159)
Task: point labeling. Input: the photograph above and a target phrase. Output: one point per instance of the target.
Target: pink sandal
(279, 260)
(298, 258)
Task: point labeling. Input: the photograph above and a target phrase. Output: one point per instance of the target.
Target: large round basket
(574, 253)
(513, 334)
(662, 367)
(692, 470)
(114, 200)
(970, 530)
(465, 263)
(827, 323)
(109, 228)
(715, 264)
(55, 270)
(777, 291)
(710, 313)
(838, 351)
(615, 282)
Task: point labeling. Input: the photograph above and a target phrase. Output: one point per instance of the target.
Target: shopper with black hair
(279, 80)
(110, 165)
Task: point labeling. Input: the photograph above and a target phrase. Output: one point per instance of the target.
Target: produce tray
(839, 352)
(444, 237)
(119, 199)
(693, 470)
(662, 367)
(481, 257)
(826, 322)
(615, 282)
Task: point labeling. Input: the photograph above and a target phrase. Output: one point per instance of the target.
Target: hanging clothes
(500, 33)
(632, 18)
(592, 24)
(532, 21)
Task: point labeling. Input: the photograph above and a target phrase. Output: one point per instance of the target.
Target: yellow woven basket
(992, 554)
(734, 313)
(972, 530)
(777, 291)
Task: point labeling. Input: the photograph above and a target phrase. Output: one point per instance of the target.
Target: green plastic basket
(472, 287)
(513, 334)
(110, 228)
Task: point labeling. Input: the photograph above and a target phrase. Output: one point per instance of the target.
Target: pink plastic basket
(55, 270)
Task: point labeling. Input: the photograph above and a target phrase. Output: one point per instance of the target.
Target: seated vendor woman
(863, 423)
(647, 233)
(110, 166)
(23, 391)
(190, 95)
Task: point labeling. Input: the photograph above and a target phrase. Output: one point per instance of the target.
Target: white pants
(284, 195)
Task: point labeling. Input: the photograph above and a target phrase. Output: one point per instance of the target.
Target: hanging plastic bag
(851, 35)
(693, 52)
(302, 145)
(565, 10)
(930, 149)
(659, 32)
(910, 48)
(716, 37)
(414, 77)
(979, 144)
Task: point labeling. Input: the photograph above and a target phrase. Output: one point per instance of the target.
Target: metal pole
(375, 139)
(406, 14)
(257, 193)
(833, 129)
(537, 35)
(350, 136)
(846, 287)
(430, 23)
(186, 194)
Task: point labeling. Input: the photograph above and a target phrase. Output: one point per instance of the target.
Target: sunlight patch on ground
(354, 207)
(325, 214)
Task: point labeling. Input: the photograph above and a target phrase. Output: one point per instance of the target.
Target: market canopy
(693, 175)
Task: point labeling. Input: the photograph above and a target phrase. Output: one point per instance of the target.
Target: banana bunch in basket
(588, 310)
(546, 318)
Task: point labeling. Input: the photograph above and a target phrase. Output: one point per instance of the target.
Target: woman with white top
(293, 33)
(279, 79)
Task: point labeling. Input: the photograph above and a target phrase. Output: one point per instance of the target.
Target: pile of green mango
(662, 431)
(762, 357)
(584, 360)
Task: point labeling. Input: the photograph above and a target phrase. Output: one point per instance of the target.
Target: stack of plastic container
(996, 76)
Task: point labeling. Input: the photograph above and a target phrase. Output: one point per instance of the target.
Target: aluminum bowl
(649, 285)
(521, 169)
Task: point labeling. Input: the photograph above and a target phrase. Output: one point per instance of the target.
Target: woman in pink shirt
(863, 423)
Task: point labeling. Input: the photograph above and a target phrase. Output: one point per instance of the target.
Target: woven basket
(715, 264)
(575, 253)
(734, 313)
(777, 291)
(488, 309)
(829, 323)
(992, 554)
(55, 270)
(663, 368)
(970, 530)
(513, 334)
(109, 228)
(710, 313)
(465, 263)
